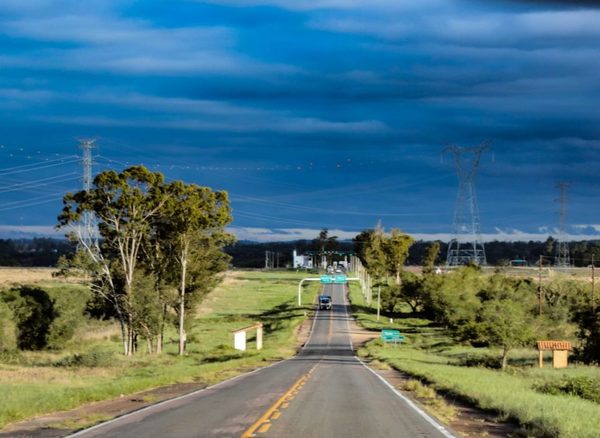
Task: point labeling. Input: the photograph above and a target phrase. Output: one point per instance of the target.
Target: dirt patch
(303, 332)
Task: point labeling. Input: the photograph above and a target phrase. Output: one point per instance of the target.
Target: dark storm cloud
(317, 101)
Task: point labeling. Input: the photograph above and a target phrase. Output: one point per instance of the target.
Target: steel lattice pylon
(562, 248)
(466, 245)
(89, 236)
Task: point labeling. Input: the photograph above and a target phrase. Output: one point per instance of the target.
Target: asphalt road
(325, 391)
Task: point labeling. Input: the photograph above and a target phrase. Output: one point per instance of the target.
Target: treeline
(484, 310)
(247, 254)
(252, 254)
(34, 252)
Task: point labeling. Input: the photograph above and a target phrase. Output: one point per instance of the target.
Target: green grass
(35, 387)
(430, 355)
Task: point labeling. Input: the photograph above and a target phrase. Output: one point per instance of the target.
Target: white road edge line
(348, 316)
(190, 394)
(408, 401)
(170, 400)
(312, 329)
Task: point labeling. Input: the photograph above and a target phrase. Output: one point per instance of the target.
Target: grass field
(24, 275)
(34, 383)
(430, 355)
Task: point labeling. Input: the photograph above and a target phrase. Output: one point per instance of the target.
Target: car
(325, 302)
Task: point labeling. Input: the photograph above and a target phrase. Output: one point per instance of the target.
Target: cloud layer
(313, 113)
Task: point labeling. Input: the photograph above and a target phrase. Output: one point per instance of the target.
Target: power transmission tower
(562, 248)
(466, 245)
(88, 232)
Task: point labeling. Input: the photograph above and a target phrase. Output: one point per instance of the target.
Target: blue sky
(311, 113)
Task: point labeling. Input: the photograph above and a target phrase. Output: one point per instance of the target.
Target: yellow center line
(282, 401)
(264, 428)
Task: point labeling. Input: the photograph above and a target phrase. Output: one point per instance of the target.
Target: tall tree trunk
(161, 332)
(123, 334)
(182, 306)
(130, 347)
(504, 358)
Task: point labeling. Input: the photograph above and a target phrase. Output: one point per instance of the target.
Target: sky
(310, 113)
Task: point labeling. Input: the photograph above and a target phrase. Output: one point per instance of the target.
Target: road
(325, 391)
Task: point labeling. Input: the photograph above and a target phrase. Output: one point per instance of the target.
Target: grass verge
(33, 384)
(431, 356)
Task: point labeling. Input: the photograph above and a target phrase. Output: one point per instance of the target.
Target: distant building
(302, 261)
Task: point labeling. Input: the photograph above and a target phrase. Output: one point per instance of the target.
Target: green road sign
(326, 279)
(391, 336)
(340, 279)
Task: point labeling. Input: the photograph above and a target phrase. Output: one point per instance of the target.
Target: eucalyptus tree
(375, 255)
(430, 258)
(124, 204)
(191, 217)
(396, 247)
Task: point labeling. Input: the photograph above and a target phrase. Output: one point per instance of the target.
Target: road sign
(326, 279)
(391, 336)
(340, 279)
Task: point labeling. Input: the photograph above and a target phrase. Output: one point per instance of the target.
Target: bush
(42, 318)
(8, 329)
(490, 362)
(90, 359)
(13, 357)
(69, 304)
(583, 387)
(33, 311)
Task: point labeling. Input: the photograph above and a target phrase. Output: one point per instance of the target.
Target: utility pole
(540, 287)
(88, 227)
(466, 245)
(562, 249)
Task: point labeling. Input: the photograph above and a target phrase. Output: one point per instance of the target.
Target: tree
(431, 257)
(506, 318)
(124, 204)
(325, 242)
(396, 248)
(375, 255)
(506, 323)
(412, 291)
(190, 214)
(361, 243)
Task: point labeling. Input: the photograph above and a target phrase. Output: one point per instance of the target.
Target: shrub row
(35, 318)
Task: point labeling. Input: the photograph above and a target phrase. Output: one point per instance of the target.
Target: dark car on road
(325, 302)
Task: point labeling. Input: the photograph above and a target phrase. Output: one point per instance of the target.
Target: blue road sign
(340, 279)
(391, 336)
(326, 279)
